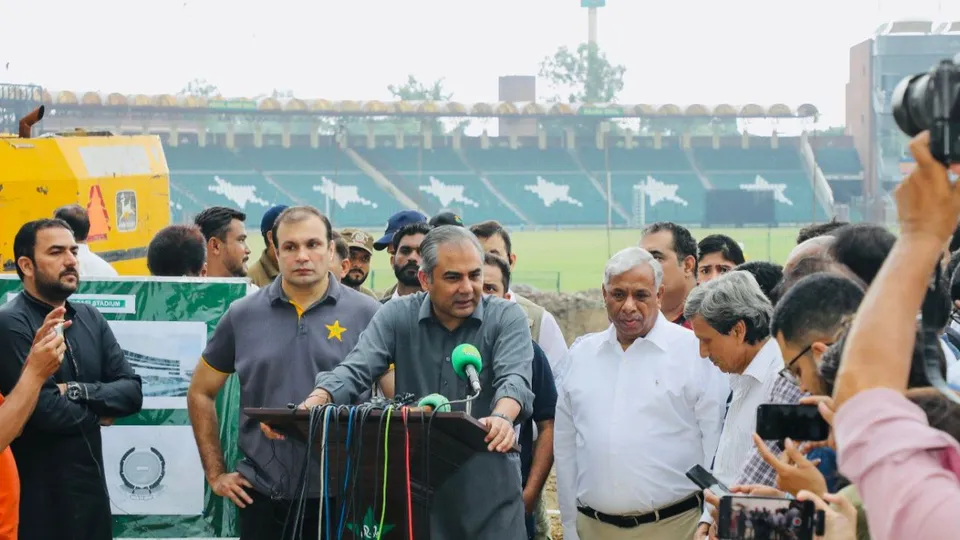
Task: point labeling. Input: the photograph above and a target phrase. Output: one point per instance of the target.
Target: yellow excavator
(123, 182)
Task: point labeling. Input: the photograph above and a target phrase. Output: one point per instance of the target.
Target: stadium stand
(843, 171)
(762, 168)
(520, 187)
(670, 187)
(253, 153)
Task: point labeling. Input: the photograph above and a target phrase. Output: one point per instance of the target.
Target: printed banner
(157, 487)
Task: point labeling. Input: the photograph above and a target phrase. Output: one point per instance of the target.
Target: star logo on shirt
(335, 331)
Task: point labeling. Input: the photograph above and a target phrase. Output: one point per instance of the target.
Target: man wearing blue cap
(394, 224)
(265, 270)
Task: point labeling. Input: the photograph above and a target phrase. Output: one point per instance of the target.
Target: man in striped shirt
(730, 316)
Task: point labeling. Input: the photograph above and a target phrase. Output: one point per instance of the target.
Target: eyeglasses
(786, 373)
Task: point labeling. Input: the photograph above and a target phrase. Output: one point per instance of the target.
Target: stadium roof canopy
(918, 26)
(323, 107)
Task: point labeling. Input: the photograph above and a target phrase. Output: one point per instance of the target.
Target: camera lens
(910, 99)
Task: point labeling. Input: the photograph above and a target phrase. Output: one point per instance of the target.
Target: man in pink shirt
(905, 471)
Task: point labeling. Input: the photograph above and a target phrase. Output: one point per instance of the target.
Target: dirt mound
(577, 313)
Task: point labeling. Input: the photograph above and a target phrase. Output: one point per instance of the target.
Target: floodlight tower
(592, 6)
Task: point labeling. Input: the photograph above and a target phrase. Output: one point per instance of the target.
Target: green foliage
(582, 76)
(833, 131)
(414, 90)
(200, 88)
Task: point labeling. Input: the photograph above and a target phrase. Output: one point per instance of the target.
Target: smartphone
(776, 422)
(704, 480)
(746, 517)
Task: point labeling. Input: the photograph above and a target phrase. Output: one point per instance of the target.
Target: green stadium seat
(548, 187)
(838, 161)
(671, 189)
(438, 180)
(327, 179)
(215, 176)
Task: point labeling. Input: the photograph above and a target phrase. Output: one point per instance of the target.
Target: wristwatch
(74, 391)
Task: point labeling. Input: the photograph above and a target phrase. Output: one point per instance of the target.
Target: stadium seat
(670, 188)
(213, 176)
(779, 170)
(328, 179)
(437, 180)
(838, 161)
(546, 186)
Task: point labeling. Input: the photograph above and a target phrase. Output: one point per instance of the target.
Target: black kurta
(59, 455)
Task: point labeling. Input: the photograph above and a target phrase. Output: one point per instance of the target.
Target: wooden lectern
(439, 443)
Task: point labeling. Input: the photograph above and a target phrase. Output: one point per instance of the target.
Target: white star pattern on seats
(238, 195)
(342, 195)
(658, 192)
(448, 193)
(760, 184)
(551, 193)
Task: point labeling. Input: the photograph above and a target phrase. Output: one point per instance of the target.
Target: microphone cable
(386, 461)
(346, 473)
(406, 435)
(324, 516)
(297, 508)
(356, 498)
(425, 465)
(376, 459)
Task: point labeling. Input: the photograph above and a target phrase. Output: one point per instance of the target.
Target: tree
(414, 90)
(200, 88)
(582, 76)
(833, 131)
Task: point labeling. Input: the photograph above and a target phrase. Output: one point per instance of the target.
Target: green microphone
(467, 364)
(435, 402)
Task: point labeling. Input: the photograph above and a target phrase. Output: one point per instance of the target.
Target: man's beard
(407, 274)
(55, 290)
(351, 281)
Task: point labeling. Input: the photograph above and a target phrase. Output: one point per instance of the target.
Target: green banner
(157, 488)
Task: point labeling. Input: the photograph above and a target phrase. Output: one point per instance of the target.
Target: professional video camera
(931, 101)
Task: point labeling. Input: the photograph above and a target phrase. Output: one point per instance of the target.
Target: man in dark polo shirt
(417, 333)
(276, 340)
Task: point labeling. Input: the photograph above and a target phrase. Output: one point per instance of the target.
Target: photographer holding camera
(907, 471)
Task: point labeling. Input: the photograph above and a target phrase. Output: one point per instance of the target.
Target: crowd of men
(698, 339)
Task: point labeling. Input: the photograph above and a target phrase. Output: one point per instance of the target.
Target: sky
(681, 51)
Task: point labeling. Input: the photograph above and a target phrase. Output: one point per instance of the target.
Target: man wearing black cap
(446, 218)
(265, 270)
(394, 224)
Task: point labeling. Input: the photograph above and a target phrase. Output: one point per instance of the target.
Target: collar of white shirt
(767, 361)
(658, 335)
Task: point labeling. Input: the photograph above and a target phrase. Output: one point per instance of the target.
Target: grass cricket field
(572, 260)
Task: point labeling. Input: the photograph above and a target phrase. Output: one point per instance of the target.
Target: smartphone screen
(704, 480)
(798, 422)
(744, 518)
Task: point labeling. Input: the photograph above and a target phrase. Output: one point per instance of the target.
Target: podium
(437, 445)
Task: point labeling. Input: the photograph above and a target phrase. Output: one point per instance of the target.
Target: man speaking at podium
(417, 333)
